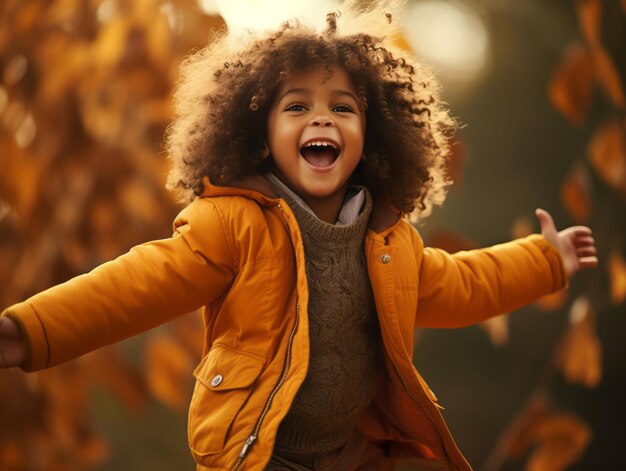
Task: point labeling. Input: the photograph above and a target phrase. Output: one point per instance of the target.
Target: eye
(342, 109)
(295, 107)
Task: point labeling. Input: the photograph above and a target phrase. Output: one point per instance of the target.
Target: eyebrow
(307, 91)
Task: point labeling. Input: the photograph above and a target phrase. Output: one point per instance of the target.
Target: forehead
(321, 77)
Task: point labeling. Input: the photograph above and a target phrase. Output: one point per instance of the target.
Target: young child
(300, 153)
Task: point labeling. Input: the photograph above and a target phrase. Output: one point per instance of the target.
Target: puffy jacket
(237, 251)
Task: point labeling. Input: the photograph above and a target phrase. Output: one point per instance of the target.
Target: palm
(12, 350)
(575, 244)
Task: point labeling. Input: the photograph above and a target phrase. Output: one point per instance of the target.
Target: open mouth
(320, 153)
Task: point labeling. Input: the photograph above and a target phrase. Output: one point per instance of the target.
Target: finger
(545, 219)
(4, 325)
(586, 251)
(11, 354)
(581, 230)
(585, 241)
(588, 262)
(8, 329)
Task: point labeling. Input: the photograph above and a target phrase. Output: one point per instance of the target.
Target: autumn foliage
(85, 98)
(85, 91)
(591, 192)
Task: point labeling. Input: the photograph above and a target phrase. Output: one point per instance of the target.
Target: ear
(266, 151)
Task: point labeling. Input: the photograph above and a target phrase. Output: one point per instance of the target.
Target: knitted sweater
(344, 333)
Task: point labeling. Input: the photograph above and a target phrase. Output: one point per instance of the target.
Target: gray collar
(352, 203)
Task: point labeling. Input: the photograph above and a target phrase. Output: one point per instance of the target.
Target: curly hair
(226, 91)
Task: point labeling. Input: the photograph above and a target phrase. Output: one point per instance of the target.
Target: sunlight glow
(260, 15)
(449, 35)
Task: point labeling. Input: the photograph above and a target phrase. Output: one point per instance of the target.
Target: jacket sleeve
(151, 284)
(471, 286)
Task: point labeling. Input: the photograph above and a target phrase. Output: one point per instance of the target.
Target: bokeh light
(451, 36)
(262, 15)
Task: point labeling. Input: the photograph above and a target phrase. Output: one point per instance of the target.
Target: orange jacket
(239, 253)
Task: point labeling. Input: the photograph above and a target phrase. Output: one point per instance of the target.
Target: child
(299, 154)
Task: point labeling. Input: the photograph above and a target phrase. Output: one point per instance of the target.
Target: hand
(12, 348)
(575, 244)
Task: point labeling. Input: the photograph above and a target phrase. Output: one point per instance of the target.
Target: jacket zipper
(433, 419)
(247, 446)
(438, 424)
(255, 433)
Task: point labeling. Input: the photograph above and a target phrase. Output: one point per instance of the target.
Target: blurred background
(85, 97)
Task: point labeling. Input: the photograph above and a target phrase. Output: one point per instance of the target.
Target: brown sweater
(343, 332)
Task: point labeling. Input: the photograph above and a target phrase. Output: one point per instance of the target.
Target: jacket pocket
(224, 380)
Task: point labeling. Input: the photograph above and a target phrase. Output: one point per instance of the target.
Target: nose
(322, 120)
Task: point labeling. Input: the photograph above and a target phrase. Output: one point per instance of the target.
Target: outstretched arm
(469, 287)
(151, 284)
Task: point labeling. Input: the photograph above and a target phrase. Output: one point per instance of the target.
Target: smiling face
(315, 135)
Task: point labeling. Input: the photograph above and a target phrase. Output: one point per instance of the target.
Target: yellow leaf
(140, 201)
(111, 42)
(169, 368)
(498, 329)
(189, 333)
(450, 241)
(400, 41)
(11, 455)
(553, 301)
(522, 227)
(561, 441)
(607, 154)
(520, 436)
(570, 87)
(617, 272)
(608, 77)
(108, 368)
(576, 194)
(579, 355)
(589, 14)
(27, 16)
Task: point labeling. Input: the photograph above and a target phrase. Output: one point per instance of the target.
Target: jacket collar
(257, 187)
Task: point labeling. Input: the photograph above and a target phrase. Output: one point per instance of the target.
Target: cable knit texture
(344, 334)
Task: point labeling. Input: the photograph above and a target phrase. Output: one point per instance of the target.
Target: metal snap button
(385, 258)
(217, 379)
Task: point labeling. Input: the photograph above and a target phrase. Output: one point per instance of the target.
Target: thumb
(548, 229)
(8, 329)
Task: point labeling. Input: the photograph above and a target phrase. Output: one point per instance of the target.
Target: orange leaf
(617, 271)
(553, 301)
(589, 14)
(498, 329)
(575, 193)
(570, 88)
(93, 451)
(519, 437)
(449, 241)
(607, 154)
(579, 355)
(189, 333)
(11, 456)
(562, 439)
(400, 41)
(108, 368)
(522, 227)
(608, 77)
(169, 368)
(140, 201)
